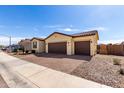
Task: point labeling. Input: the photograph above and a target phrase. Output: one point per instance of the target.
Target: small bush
(122, 71)
(33, 51)
(116, 61)
(15, 50)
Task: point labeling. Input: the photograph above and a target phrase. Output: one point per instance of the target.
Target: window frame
(34, 44)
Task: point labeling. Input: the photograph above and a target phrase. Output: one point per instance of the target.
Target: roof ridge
(38, 38)
(93, 32)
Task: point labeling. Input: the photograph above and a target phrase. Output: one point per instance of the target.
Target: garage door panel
(82, 48)
(59, 48)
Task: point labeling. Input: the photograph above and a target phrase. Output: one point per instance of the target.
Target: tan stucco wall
(70, 42)
(27, 47)
(40, 46)
(93, 45)
(59, 38)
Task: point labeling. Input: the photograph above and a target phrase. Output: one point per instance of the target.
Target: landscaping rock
(101, 69)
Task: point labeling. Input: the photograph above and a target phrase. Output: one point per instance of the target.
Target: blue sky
(40, 21)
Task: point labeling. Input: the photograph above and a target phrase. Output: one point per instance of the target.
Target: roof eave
(83, 35)
(36, 39)
(57, 33)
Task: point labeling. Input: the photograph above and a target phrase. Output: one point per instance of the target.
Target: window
(34, 44)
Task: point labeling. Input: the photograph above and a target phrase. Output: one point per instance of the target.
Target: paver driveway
(20, 73)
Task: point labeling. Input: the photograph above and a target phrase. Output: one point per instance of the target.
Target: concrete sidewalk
(20, 73)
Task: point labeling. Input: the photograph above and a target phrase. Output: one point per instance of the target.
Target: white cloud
(42, 37)
(68, 29)
(14, 40)
(57, 26)
(97, 28)
(71, 29)
(101, 28)
(110, 41)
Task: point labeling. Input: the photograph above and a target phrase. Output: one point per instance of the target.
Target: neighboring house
(26, 44)
(38, 45)
(84, 43)
(15, 47)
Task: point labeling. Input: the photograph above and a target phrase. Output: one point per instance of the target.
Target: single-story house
(84, 43)
(38, 45)
(26, 44)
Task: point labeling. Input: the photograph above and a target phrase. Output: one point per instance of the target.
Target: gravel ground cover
(101, 69)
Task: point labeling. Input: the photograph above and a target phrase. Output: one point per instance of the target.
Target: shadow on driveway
(51, 55)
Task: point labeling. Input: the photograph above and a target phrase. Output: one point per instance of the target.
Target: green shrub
(15, 50)
(116, 61)
(22, 49)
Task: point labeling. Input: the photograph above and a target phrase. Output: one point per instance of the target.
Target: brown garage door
(82, 48)
(59, 48)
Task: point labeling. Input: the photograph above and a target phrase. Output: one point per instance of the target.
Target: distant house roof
(85, 33)
(25, 41)
(88, 33)
(41, 39)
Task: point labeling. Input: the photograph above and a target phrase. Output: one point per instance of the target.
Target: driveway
(3, 83)
(20, 73)
(57, 62)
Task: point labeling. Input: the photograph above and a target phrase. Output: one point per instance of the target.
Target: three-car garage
(78, 44)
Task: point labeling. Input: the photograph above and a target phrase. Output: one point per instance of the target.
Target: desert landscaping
(104, 69)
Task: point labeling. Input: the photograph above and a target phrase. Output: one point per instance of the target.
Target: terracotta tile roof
(41, 39)
(88, 33)
(25, 40)
(85, 33)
